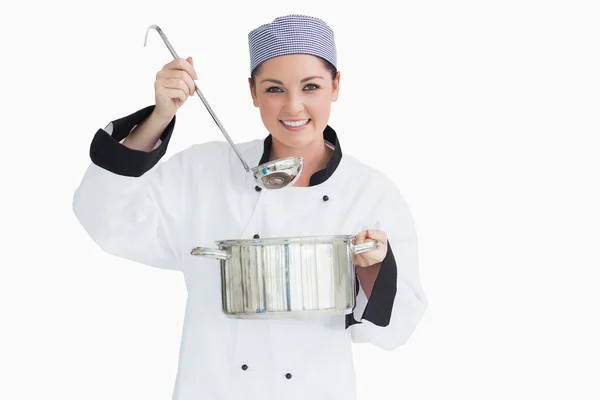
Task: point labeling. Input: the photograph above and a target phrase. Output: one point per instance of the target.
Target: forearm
(145, 136)
(367, 276)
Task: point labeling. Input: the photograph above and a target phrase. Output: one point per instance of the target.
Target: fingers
(169, 89)
(183, 65)
(176, 94)
(176, 83)
(176, 79)
(180, 69)
(360, 237)
(376, 234)
(370, 235)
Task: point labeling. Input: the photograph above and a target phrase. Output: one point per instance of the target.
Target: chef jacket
(135, 206)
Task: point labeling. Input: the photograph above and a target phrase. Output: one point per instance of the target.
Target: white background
(484, 113)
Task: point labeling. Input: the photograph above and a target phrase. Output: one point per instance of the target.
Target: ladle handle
(212, 114)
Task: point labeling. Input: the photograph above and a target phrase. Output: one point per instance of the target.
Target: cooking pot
(287, 277)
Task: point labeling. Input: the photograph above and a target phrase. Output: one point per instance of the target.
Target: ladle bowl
(278, 173)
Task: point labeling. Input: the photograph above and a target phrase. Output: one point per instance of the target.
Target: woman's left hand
(371, 257)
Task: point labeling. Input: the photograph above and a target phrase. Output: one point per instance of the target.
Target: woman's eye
(275, 89)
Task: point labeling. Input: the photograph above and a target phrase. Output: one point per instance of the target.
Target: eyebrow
(302, 81)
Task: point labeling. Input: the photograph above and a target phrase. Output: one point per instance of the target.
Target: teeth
(296, 123)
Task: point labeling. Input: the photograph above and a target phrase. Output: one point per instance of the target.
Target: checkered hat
(291, 34)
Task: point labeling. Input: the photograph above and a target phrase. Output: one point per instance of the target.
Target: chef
(138, 206)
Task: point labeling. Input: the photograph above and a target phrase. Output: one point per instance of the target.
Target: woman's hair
(330, 67)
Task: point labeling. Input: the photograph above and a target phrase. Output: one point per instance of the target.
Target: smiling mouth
(295, 124)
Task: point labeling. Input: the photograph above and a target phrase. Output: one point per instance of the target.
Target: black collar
(319, 176)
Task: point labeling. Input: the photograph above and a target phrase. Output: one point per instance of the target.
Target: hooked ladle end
(156, 28)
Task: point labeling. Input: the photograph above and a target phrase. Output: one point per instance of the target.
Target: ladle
(274, 174)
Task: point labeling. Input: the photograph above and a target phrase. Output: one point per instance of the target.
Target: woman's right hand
(173, 85)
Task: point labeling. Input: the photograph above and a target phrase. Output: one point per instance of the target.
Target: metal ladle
(274, 174)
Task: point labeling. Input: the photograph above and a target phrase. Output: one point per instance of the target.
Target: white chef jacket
(135, 206)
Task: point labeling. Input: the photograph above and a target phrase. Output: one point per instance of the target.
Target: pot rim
(327, 239)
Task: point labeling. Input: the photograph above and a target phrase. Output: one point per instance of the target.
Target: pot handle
(210, 253)
(364, 247)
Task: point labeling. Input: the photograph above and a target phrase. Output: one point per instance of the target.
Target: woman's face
(294, 94)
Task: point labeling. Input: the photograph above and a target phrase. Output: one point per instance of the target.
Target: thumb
(190, 60)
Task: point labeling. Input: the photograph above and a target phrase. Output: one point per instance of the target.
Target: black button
(244, 367)
(288, 375)
(256, 236)
(325, 198)
(257, 188)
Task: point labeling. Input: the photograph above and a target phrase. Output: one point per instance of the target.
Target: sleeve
(131, 205)
(397, 302)
(107, 152)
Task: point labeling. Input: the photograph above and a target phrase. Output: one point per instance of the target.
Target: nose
(294, 104)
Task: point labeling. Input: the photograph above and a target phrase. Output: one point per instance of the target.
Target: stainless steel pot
(287, 277)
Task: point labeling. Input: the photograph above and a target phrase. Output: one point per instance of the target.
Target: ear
(253, 93)
(336, 87)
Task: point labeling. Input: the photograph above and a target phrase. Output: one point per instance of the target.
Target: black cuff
(107, 152)
(381, 302)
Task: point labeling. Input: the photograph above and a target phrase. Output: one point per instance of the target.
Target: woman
(152, 212)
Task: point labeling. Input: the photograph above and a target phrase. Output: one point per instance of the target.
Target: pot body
(287, 277)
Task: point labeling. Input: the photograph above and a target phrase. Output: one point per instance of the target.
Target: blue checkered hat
(291, 34)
